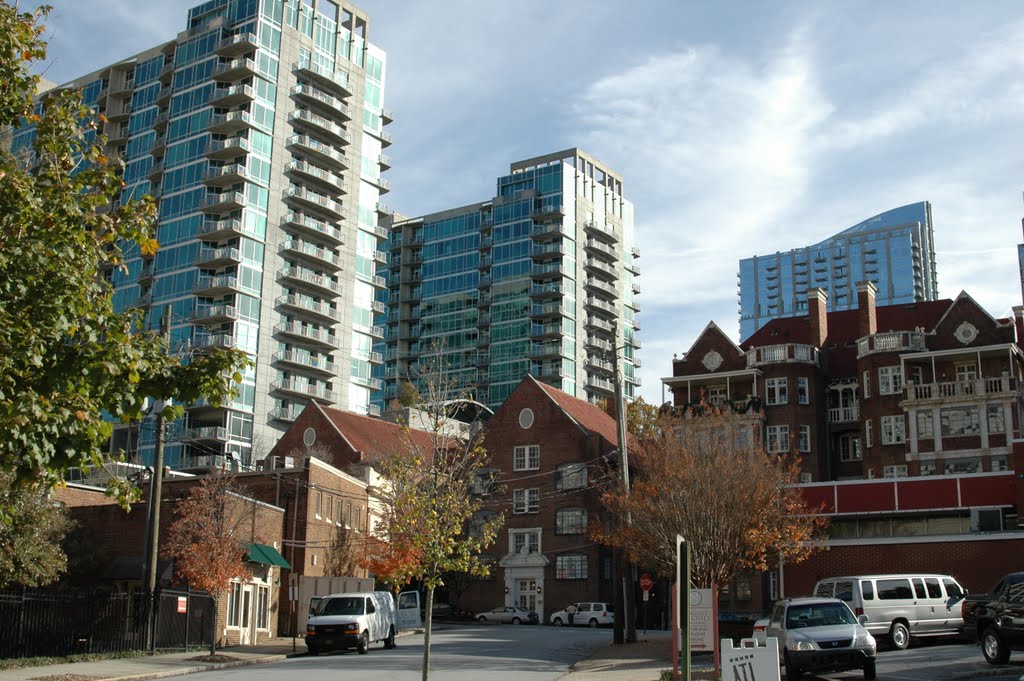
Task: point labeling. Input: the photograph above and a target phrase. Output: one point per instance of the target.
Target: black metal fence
(47, 623)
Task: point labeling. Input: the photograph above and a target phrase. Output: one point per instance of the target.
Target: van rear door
(408, 615)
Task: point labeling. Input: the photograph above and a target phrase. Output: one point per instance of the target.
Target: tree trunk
(213, 636)
(428, 617)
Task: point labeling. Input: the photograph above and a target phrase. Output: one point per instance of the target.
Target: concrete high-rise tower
(260, 130)
(540, 279)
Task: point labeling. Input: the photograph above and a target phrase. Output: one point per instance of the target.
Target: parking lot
(936, 661)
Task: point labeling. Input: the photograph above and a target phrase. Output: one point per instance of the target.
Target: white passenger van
(354, 620)
(900, 606)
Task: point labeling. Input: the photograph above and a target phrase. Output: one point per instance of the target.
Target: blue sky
(739, 128)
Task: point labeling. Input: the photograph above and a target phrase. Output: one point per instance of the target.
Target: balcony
(216, 286)
(598, 323)
(294, 387)
(317, 149)
(309, 334)
(163, 97)
(547, 350)
(384, 160)
(601, 248)
(897, 341)
(545, 331)
(956, 391)
(325, 178)
(232, 96)
(214, 314)
(305, 305)
(310, 279)
(318, 363)
(312, 199)
(155, 172)
(548, 211)
(236, 45)
(547, 231)
(382, 184)
(601, 268)
(287, 414)
(166, 74)
(844, 414)
(599, 344)
(546, 310)
(600, 383)
(162, 119)
(312, 253)
(229, 123)
(313, 226)
(233, 70)
(315, 96)
(602, 231)
(227, 149)
(223, 203)
(605, 287)
(553, 270)
(376, 358)
(335, 81)
(216, 341)
(599, 363)
(545, 290)
(387, 116)
(782, 354)
(218, 230)
(543, 252)
(371, 383)
(147, 273)
(203, 434)
(224, 176)
(383, 209)
(602, 307)
(320, 124)
(212, 258)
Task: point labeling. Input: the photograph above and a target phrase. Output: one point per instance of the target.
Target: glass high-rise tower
(260, 130)
(540, 279)
(895, 250)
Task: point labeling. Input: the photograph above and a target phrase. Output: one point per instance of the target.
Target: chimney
(817, 299)
(1018, 323)
(867, 321)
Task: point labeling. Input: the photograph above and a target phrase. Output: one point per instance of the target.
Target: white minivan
(354, 620)
(900, 606)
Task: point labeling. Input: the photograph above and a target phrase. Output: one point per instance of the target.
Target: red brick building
(922, 400)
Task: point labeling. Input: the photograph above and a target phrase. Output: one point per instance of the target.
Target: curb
(210, 666)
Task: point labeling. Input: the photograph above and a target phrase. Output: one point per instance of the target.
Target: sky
(739, 128)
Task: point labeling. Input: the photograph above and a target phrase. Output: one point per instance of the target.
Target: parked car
(439, 611)
(588, 614)
(760, 626)
(508, 614)
(996, 619)
(900, 606)
(820, 635)
(352, 620)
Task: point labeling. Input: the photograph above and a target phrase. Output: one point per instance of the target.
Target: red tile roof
(375, 439)
(589, 416)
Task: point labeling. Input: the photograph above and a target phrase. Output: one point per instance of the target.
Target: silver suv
(820, 635)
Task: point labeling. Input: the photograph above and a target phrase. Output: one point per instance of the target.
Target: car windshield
(818, 615)
(341, 606)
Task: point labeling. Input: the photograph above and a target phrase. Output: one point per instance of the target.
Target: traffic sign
(646, 582)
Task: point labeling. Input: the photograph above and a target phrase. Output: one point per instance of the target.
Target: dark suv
(820, 635)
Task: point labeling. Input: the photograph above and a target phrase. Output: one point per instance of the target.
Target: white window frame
(849, 448)
(777, 439)
(526, 500)
(803, 390)
(866, 388)
(526, 458)
(893, 429)
(867, 434)
(578, 524)
(995, 417)
(925, 424)
(529, 538)
(717, 395)
(572, 566)
(776, 391)
(234, 611)
(890, 380)
(571, 476)
(804, 439)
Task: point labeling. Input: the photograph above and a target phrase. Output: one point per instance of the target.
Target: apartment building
(539, 280)
(894, 250)
(260, 129)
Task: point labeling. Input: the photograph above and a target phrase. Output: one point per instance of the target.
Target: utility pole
(156, 496)
(626, 574)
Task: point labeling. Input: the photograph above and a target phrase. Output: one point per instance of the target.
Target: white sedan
(508, 614)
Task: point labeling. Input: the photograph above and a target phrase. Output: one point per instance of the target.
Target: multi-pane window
(262, 607)
(804, 440)
(966, 372)
(803, 395)
(526, 458)
(478, 521)
(483, 481)
(524, 541)
(867, 433)
(571, 566)
(777, 391)
(571, 476)
(526, 500)
(890, 380)
(892, 430)
(959, 421)
(996, 417)
(925, 424)
(717, 395)
(778, 439)
(849, 448)
(867, 386)
(234, 604)
(571, 521)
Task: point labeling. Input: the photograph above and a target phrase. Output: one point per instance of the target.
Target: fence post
(188, 612)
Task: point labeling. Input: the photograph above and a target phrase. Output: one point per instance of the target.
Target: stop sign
(646, 582)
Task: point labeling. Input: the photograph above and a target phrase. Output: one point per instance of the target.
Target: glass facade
(539, 280)
(260, 131)
(895, 250)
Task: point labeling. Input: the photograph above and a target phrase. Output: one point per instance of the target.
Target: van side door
(931, 613)
(408, 615)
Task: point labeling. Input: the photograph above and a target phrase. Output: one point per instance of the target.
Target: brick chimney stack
(867, 320)
(817, 299)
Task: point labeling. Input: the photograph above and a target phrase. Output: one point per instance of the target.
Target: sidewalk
(641, 661)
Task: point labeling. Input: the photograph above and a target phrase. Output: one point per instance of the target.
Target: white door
(527, 594)
(247, 623)
(409, 610)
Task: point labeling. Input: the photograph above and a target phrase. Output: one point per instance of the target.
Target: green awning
(268, 555)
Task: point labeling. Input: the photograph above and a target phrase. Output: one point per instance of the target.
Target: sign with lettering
(750, 662)
(702, 619)
(182, 604)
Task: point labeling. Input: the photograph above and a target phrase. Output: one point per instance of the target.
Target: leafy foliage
(30, 540)
(408, 395)
(66, 357)
(340, 554)
(706, 478)
(641, 416)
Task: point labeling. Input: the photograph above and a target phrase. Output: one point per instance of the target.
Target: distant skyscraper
(540, 279)
(895, 250)
(260, 129)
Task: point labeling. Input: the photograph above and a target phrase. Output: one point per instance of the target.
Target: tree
(30, 541)
(340, 554)
(428, 502)
(706, 478)
(209, 537)
(66, 356)
(641, 417)
(408, 395)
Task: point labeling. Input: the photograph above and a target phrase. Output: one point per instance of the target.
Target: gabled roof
(589, 417)
(374, 439)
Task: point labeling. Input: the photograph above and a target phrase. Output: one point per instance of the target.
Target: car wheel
(593, 623)
(557, 622)
(900, 636)
(481, 618)
(993, 648)
(792, 671)
(389, 642)
(869, 670)
(516, 620)
(364, 644)
(314, 650)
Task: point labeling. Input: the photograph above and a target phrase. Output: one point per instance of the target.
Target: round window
(526, 418)
(309, 437)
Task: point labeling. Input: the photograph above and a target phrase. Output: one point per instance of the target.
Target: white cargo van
(900, 606)
(351, 620)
